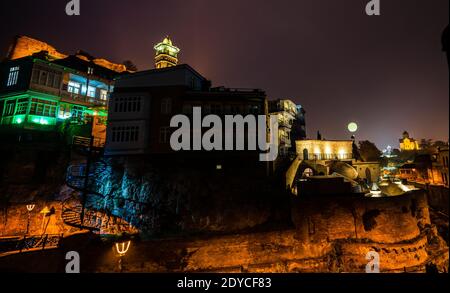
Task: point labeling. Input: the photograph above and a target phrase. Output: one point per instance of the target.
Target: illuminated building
(291, 123)
(166, 54)
(323, 150)
(143, 104)
(328, 157)
(408, 172)
(42, 91)
(408, 144)
(438, 173)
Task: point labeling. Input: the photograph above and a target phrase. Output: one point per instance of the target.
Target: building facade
(291, 124)
(46, 90)
(438, 173)
(408, 144)
(144, 103)
(324, 150)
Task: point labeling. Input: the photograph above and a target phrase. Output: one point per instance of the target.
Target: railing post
(44, 241)
(22, 243)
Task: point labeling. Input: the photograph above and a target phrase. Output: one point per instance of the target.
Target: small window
(74, 88)
(91, 91)
(9, 108)
(166, 106)
(164, 134)
(13, 76)
(103, 95)
(35, 76)
(22, 106)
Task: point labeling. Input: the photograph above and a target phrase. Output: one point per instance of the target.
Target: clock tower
(166, 54)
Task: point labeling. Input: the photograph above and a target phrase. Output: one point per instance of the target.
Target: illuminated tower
(166, 54)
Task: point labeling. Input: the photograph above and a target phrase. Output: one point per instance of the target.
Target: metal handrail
(31, 242)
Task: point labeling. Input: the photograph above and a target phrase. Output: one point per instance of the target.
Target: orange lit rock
(24, 46)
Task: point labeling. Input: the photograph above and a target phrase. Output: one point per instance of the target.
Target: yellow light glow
(122, 248)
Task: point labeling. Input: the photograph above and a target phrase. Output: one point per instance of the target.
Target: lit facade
(323, 150)
(38, 93)
(291, 123)
(438, 173)
(166, 54)
(408, 144)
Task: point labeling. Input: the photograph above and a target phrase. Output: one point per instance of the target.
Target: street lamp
(30, 208)
(122, 249)
(44, 213)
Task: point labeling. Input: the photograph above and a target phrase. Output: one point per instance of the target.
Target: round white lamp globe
(353, 127)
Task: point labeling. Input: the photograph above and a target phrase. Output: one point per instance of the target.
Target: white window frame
(13, 76)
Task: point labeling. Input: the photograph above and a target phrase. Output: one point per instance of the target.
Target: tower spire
(166, 54)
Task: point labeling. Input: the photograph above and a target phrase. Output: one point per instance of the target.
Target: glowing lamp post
(44, 213)
(122, 249)
(30, 208)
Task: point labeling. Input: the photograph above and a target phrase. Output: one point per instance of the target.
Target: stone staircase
(71, 216)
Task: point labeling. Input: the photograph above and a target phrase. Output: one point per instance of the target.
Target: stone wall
(385, 220)
(331, 235)
(438, 196)
(14, 221)
(338, 245)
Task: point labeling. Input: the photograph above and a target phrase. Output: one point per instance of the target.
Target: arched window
(305, 155)
(308, 173)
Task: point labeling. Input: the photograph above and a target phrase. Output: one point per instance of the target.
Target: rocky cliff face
(178, 198)
(24, 46)
(331, 235)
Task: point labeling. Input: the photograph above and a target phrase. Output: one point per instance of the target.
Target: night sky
(387, 73)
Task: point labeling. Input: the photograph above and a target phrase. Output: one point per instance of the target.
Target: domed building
(408, 144)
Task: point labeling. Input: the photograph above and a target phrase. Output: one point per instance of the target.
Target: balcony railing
(68, 96)
(86, 142)
(323, 157)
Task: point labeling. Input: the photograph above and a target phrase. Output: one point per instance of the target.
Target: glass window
(50, 79)
(74, 87)
(22, 106)
(164, 134)
(57, 80)
(103, 95)
(13, 76)
(43, 107)
(35, 76)
(166, 106)
(91, 91)
(77, 112)
(9, 108)
(43, 78)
